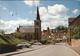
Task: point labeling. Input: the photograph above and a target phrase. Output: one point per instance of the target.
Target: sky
(23, 12)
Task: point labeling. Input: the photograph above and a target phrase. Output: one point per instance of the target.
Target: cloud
(3, 7)
(49, 17)
(57, 9)
(54, 21)
(53, 24)
(28, 2)
(75, 11)
(11, 13)
(53, 16)
(32, 2)
(11, 25)
(6, 9)
(42, 11)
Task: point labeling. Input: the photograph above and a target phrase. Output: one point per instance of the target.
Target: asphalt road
(51, 50)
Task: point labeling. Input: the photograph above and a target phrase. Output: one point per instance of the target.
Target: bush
(5, 48)
(76, 33)
(43, 41)
(47, 40)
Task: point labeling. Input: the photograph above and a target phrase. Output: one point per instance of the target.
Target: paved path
(51, 50)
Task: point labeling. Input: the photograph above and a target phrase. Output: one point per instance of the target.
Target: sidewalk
(77, 49)
(34, 47)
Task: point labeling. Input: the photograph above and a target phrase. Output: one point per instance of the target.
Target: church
(32, 32)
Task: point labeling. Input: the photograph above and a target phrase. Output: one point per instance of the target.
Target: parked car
(58, 40)
(38, 43)
(23, 45)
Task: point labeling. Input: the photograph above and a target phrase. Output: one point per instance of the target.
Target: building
(53, 34)
(48, 32)
(32, 32)
(74, 23)
(27, 32)
(37, 26)
(26, 29)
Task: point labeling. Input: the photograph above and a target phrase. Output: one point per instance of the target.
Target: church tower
(37, 26)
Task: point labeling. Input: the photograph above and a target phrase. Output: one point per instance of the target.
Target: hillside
(9, 40)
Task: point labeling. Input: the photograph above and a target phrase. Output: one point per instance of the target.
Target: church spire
(37, 25)
(38, 16)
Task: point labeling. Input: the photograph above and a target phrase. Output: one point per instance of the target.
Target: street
(59, 49)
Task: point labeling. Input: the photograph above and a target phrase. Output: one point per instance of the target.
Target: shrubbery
(76, 34)
(47, 40)
(8, 42)
(5, 48)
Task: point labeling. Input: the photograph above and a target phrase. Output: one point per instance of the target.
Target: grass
(10, 40)
(3, 41)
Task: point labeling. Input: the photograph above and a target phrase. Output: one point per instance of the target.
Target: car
(58, 40)
(23, 45)
(38, 43)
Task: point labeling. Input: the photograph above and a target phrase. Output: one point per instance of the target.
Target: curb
(72, 49)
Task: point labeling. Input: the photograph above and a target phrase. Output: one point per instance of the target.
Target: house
(73, 24)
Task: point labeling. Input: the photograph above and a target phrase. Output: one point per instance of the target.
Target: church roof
(26, 29)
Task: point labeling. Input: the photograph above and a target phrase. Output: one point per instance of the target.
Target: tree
(61, 28)
(76, 34)
(18, 35)
(2, 32)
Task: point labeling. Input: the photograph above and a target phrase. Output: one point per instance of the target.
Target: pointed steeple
(38, 16)
(37, 25)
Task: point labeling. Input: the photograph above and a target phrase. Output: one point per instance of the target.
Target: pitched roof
(26, 29)
(73, 19)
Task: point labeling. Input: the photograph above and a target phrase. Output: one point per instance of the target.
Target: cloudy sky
(23, 12)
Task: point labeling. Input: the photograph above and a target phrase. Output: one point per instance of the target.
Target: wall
(75, 42)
